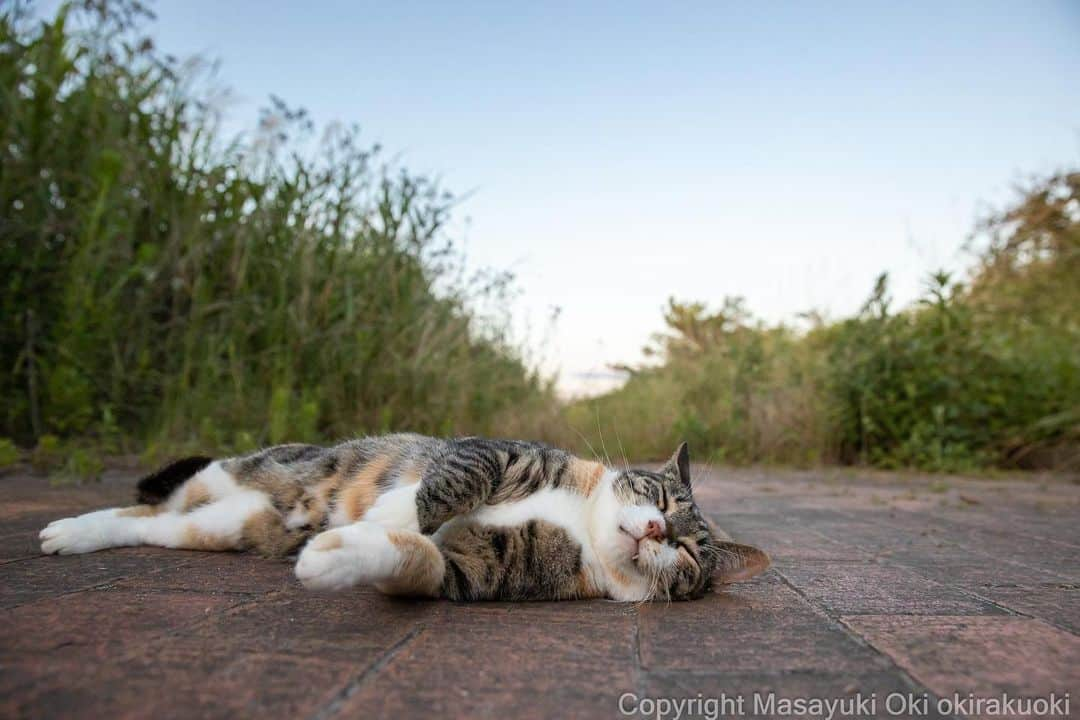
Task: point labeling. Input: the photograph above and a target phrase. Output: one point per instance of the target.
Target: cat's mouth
(635, 548)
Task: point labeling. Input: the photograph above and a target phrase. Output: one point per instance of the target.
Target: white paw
(82, 534)
(360, 553)
(396, 509)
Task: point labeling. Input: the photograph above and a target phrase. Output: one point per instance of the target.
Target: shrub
(978, 373)
(9, 454)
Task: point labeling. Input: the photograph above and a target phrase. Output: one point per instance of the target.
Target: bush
(9, 454)
(736, 390)
(927, 388)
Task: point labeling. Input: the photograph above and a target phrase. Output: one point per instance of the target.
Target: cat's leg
(179, 487)
(91, 531)
(225, 523)
(398, 562)
(452, 484)
(533, 561)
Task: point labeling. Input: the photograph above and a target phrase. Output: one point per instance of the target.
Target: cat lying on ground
(464, 519)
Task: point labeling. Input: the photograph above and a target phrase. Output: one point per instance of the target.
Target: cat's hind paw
(75, 535)
(360, 553)
(396, 509)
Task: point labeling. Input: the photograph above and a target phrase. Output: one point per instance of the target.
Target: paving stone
(101, 620)
(219, 572)
(355, 626)
(1056, 605)
(1054, 558)
(25, 581)
(182, 680)
(565, 659)
(861, 587)
(926, 545)
(984, 656)
(1056, 524)
(786, 537)
(877, 532)
(761, 627)
(18, 546)
(971, 572)
(913, 532)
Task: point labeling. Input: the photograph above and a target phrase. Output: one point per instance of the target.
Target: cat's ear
(679, 465)
(736, 563)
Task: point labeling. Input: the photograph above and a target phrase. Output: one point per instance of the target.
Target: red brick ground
(881, 584)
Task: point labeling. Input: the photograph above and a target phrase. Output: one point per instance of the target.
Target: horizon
(613, 159)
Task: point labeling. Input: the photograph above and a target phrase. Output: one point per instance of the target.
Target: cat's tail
(156, 488)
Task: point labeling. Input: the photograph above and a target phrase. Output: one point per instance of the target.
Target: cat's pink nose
(654, 530)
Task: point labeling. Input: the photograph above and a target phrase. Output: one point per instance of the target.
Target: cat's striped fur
(465, 519)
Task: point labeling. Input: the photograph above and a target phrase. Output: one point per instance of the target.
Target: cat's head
(663, 542)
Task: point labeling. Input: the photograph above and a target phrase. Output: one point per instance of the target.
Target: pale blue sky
(620, 153)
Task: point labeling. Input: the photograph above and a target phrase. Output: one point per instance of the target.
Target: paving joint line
(353, 686)
(850, 632)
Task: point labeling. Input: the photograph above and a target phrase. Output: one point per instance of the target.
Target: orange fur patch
(411, 475)
(140, 511)
(361, 491)
(327, 541)
(585, 475)
(195, 495)
(588, 586)
(265, 531)
(617, 575)
(422, 565)
(196, 539)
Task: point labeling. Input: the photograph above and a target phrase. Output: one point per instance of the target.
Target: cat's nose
(654, 529)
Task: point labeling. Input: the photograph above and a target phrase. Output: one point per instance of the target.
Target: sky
(613, 155)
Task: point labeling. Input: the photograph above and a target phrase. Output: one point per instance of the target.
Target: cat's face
(663, 539)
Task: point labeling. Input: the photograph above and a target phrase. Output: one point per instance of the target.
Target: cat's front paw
(356, 554)
(396, 509)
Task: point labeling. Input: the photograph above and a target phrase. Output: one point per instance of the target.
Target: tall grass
(984, 372)
(165, 285)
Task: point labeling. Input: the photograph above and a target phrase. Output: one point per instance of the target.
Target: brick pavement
(881, 583)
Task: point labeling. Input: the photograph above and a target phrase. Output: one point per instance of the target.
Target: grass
(167, 287)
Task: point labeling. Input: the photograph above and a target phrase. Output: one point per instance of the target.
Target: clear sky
(616, 154)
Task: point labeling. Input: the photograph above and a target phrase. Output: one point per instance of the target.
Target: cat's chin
(650, 562)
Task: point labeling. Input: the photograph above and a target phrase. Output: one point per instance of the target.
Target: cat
(462, 519)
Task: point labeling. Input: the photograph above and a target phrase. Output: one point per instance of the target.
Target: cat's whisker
(600, 432)
(622, 450)
(654, 580)
(596, 455)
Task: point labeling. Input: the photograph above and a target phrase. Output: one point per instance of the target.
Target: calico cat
(464, 519)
